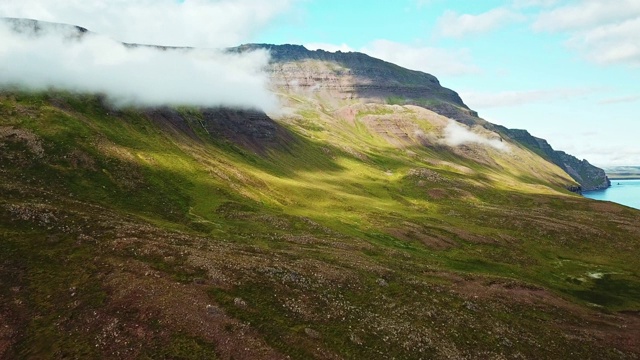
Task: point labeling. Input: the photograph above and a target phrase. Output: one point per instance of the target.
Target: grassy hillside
(347, 232)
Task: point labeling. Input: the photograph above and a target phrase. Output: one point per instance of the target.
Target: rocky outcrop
(589, 176)
(30, 27)
(249, 129)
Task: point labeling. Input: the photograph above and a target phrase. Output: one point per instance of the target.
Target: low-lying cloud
(195, 23)
(59, 58)
(456, 135)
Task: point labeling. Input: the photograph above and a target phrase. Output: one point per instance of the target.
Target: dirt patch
(7, 336)
(438, 194)
(9, 134)
(425, 175)
(81, 160)
(472, 238)
(412, 232)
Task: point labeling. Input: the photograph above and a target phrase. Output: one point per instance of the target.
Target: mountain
(358, 76)
(357, 227)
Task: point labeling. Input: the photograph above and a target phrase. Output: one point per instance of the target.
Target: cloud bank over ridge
(146, 76)
(456, 134)
(58, 57)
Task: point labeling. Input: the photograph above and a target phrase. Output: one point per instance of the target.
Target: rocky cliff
(359, 76)
(589, 176)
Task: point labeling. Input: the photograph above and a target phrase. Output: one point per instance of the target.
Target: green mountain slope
(349, 77)
(341, 230)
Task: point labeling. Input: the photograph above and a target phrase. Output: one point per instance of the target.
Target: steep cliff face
(359, 76)
(589, 176)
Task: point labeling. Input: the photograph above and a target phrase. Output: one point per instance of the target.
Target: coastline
(612, 183)
(627, 193)
(624, 177)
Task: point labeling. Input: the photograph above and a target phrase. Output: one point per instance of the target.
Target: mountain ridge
(381, 81)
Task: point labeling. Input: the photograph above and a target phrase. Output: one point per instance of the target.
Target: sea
(625, 192)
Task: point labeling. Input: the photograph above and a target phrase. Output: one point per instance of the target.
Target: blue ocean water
(625, 192)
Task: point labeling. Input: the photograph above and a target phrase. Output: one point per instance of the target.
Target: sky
(566, 70)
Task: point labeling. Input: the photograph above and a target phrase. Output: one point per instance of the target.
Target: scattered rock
(211, 309)
(239, 302)
(382, 282)
(355, 339)
(470, 306)
(426, 174)
(312, 333)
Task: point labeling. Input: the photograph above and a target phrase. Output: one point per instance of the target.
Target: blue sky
(567, 71)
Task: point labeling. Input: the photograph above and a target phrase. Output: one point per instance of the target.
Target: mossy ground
(124, 238)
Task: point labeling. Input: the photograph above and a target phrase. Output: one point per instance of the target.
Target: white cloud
(422, 3)
(609, 155)
(452, 24)
(604, 32)
(329, 47)
(534, 3)
(436, 61)
(133, 76)
(609, 44)
(197, 23)
(587, 14)
(456, 134)
(620, 100)
(479, 100)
